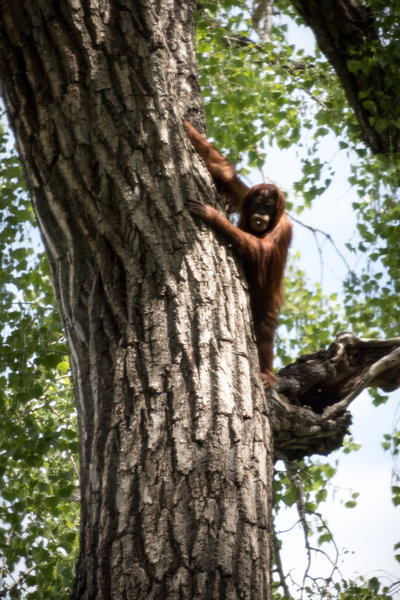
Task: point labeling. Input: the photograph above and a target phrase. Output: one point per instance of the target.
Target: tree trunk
(175, 444)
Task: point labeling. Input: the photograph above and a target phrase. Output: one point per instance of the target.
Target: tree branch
(340, 28)
(309, 415)
(261, 17)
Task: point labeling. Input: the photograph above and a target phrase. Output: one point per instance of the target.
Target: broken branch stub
(314, 392)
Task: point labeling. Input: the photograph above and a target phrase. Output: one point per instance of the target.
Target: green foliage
(397, 551)
(392, 443)
(381, 57)
(281, 95)
(361, 589)
(38, 438)
(314, 478)
(237, 78)
(309, 319)
(378, 285)
(349, 445)
(272, 92)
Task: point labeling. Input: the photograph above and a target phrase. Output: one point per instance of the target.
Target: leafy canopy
(38, 438)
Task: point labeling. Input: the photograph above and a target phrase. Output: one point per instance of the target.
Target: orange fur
(263, 254)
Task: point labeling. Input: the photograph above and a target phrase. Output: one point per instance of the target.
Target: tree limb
(309, 415)
(346, 30)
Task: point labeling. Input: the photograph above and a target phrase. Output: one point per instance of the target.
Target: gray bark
(175, 445)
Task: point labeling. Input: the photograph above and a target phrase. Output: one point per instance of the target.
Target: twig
(279, 565)
(295, 480)
(73, 462)
(328, 237)
(18, 581)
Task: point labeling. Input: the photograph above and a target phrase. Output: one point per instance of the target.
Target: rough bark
(346, 29)
(175, 446)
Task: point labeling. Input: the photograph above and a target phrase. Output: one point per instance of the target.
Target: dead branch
(309, 411)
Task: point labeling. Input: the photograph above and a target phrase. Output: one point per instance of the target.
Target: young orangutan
(261, 238)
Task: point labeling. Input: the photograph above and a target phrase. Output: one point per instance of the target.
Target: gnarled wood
(310, 417)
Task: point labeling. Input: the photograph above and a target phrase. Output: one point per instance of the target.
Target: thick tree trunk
(175, 444)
